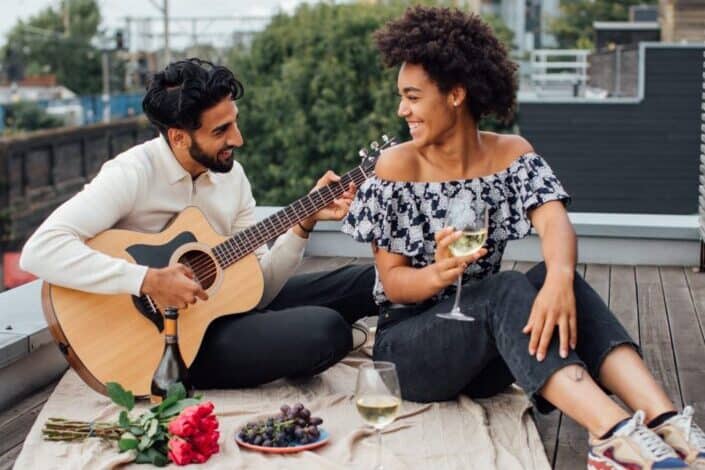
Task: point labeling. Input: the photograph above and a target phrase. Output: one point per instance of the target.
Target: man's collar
(174, 171)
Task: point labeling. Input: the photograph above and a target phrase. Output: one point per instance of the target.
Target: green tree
(573, 28)
(315, 92)
(47, 44)
(27, 116)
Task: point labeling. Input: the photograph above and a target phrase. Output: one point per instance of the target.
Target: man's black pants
(302, 332)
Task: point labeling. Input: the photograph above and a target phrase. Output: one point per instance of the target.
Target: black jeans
(303, 331)
(437, 359)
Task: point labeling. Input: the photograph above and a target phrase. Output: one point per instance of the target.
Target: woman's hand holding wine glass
(470, 218)
(447, 268)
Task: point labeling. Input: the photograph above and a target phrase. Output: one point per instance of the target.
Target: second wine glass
(378, 398)
(470, 216)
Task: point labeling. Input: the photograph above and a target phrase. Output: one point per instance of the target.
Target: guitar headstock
(370, 155)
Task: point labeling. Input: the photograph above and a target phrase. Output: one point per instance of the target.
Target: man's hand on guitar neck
(172, 286)
(336, 210)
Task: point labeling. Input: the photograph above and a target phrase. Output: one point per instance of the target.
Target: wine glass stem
(456, 305)
(379, 450)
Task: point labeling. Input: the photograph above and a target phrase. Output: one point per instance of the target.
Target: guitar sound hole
(203, 266)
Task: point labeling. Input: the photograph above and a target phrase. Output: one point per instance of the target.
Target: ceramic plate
(322, 440)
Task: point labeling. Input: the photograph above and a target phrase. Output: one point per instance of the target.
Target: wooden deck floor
(662, 307)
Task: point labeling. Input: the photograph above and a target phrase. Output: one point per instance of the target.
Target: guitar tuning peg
(385, 138)
(374, 145)
(362, 153)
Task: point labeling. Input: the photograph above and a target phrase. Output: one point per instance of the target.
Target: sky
(114, 12)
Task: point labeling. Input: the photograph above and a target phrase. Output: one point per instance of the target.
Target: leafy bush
(28, 116)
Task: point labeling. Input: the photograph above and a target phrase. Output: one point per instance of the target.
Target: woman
(454, 71)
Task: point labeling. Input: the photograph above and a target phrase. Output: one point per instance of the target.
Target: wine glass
(377, 398)
(471, 217)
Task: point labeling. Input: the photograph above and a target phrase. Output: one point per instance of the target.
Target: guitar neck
(247, 241)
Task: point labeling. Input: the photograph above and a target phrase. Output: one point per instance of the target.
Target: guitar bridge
(149, 310)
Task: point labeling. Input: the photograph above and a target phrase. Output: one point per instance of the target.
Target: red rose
(208, 424)
(196, 434)
(205, 408)
(180, 451)
(199, 458)
(183, 426)
(206, 443)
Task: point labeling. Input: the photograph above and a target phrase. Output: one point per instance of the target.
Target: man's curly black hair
(454, 48)
(177, 96)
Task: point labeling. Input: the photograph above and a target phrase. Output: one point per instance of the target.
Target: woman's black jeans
(438, 359)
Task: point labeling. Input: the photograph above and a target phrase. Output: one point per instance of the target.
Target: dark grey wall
(40, 170)
(640, 157)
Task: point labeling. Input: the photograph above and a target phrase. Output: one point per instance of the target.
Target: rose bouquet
(180, 429)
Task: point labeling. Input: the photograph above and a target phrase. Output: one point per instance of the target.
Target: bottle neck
(170, 332)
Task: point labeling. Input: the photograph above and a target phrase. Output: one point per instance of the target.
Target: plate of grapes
(292, 430)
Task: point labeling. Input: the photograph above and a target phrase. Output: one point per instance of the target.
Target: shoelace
(649, 442)
(693, 433)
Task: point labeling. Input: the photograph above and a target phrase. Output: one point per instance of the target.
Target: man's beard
(213, 163)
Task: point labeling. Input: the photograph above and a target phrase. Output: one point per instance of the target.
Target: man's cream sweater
(141, 190)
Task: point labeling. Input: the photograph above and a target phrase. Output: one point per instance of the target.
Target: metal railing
(554, 69)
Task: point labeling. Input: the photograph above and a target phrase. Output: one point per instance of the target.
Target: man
(302, 324)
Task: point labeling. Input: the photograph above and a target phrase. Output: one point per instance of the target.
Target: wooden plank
(623, 298)
(364, 260)
(654, 331)
(696, 284)
(548, 426)
(506, 265)
(523, 266)
(16, 422)
(38, 398)
(7, 460)
(688, 341)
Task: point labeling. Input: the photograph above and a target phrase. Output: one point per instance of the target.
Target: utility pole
(167, 52)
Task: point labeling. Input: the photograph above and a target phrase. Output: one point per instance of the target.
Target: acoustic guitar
(118, 338)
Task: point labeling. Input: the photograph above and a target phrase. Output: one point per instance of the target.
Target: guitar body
(114, 338)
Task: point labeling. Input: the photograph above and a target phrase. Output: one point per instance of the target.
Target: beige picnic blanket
(496, 433)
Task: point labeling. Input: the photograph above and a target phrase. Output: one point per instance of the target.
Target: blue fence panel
(121, 106)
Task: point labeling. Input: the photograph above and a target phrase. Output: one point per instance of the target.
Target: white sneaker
(360, 334)
(632, 446)
(685, 437)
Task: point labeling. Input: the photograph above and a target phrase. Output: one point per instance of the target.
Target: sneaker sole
(596, 463)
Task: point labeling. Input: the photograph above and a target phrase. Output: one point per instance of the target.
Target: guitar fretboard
(246, 241)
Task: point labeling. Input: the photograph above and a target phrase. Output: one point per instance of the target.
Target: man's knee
(329, 331)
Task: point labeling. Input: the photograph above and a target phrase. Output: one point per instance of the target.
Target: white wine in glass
(472, 219)
(378, 410)
(469, 242)
(378, 398)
